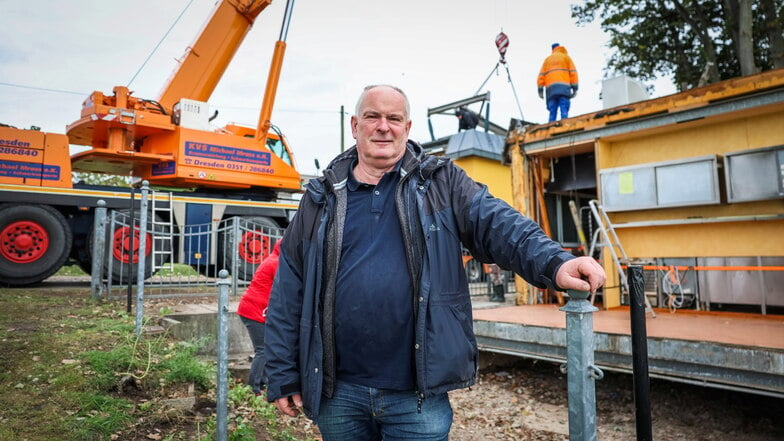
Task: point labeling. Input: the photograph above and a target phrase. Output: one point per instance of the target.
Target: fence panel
(190, 268)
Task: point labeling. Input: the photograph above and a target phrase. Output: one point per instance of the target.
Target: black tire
(35, 241)
(117, 246)
(253, 245)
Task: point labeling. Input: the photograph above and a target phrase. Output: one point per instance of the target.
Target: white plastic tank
(622, 90)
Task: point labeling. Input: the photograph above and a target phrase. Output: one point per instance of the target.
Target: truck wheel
(253, 245)
(118, 245)
(35, 241)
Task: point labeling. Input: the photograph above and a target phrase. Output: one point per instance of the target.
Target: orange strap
(713, 268)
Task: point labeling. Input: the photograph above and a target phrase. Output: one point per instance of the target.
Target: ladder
(613, 244)
(162, 230)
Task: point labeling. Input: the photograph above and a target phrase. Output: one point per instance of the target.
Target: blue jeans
(558, 102)
(256, 333)
(360, 413)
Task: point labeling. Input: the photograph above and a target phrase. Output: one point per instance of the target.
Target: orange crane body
(46, 218)
(169, 141)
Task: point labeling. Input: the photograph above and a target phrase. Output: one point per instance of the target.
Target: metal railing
(123, 250)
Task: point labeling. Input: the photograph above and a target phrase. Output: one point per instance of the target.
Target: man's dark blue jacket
(439, 208)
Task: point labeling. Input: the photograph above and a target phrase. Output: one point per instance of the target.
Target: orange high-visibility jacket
(558, 74)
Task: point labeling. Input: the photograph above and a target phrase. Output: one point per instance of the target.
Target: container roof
(475, 143)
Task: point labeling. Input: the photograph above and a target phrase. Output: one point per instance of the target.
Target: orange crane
(168, 141)
(46, 218)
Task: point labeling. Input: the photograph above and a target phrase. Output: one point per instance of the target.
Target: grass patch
(72, 369)
(174, 270)
(70, 271)
(182, 366)
(177, 270)
(99, 416)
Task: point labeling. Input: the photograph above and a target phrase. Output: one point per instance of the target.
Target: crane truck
(46, 219)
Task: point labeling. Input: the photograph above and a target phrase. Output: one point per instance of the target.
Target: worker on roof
(467, 118)
(559, 77)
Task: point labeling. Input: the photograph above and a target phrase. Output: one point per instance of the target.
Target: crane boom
(206, 60)
(170, 142)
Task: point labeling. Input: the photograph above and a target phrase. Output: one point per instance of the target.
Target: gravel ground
(528, 401)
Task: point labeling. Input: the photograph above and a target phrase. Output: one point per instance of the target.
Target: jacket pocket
(451, 345)
(448, 298)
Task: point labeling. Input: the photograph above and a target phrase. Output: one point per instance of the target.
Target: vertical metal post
(581, 372)
(141, 259)
(763, 288)
(342, 128)
(99, 243)
(238, 227)
(130, 247)
(642, 393)
(222, 392)
(109, 260)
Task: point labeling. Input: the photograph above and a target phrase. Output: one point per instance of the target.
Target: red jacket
(253, 304)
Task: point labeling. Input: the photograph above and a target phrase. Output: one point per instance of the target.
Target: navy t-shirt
(374, 318)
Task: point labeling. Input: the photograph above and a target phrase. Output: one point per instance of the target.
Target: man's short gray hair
(373, 86)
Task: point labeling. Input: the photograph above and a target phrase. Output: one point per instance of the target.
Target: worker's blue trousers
(556, 102)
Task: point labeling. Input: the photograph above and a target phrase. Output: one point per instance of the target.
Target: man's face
(381, 127)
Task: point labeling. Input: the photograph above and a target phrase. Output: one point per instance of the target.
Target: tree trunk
(746, 41)
(775, 33)
(699, 23)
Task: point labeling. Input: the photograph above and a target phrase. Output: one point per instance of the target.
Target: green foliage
(100, 416)
(243, 432)
(107, 365)
(177, 269)
(681, 38)
(102, 179)
(78, 372)
(70, 270)
(182, 366)
(257, 407)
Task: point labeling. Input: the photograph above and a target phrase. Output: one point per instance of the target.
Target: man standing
(369, 323)
(558, 77)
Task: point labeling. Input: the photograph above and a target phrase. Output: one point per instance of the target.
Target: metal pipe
(642, 393)
(141, 261)
(222, 392)
(236, 233)
(580, 368)
(698, 221)
(459, 103)
(99, 242)
(130, 247)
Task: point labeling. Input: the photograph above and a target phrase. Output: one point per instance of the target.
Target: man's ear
(354, 123)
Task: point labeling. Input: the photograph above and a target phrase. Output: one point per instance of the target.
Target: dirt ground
(526, 400)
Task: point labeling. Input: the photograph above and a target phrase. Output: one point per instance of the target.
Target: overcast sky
(54, 53)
